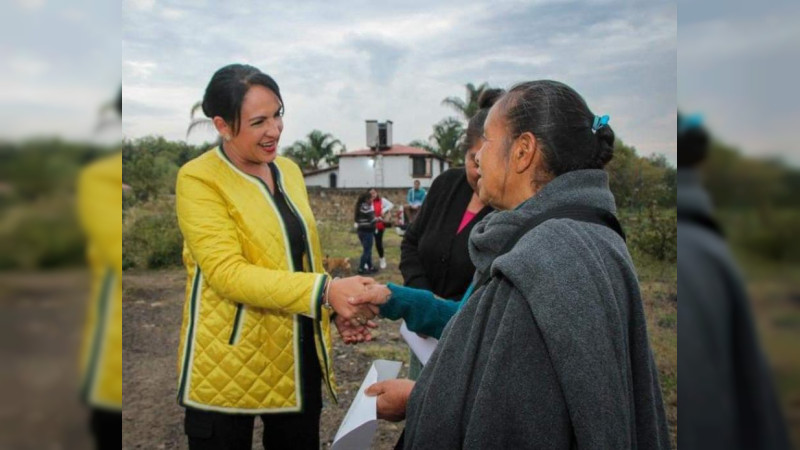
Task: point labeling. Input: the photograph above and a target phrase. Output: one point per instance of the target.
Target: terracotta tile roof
(395, 150)
(326, 169)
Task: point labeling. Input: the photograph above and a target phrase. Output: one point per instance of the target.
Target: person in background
(365, 224)
(726, 391)
(434, 255)
(255, 339)
(382, 207)
(414, 199)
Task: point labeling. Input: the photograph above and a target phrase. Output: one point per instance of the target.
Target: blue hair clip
(690, 122)
(599, 122)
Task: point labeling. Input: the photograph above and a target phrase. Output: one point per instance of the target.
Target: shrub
(43, 237)
(770, 234)
(151, 240)
(654, 233)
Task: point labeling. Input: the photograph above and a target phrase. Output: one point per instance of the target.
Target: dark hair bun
(605, 149)
(489, 97)
(693, 147)
(207, 108)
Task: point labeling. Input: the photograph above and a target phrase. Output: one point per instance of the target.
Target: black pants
(221, 431)
(379, 241)
(106, 429)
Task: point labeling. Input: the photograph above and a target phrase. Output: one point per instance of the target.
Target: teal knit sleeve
(423, 312)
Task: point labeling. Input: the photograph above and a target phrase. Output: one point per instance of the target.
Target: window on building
(421, 167)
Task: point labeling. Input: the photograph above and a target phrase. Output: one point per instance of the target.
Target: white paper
(422, 347)
(361, 421)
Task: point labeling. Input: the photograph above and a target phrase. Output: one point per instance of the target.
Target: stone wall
(338, 205)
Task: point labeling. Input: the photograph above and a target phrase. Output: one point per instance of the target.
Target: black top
(293, 226)
(434, 257)
(311, 371)
(365, 217)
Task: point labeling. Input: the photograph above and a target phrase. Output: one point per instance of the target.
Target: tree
(317, 147)
(638, 181)
(149, 166)
(419, 143)
(447, 135)
(445, 140)
(195, 122)
(469, 107)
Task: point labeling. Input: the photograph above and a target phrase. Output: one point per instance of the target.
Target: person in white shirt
(381, 206)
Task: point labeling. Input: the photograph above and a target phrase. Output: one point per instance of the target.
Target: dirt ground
(151, 417)
(41, 318)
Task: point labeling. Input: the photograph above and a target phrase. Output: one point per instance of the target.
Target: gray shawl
(726, 392)
(553, 352)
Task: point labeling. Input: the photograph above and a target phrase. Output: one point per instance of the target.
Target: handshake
(355, 301)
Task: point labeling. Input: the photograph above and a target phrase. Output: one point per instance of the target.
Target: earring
(226, 137)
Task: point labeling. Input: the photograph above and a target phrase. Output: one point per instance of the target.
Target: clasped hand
(353, 316)
(356, 301)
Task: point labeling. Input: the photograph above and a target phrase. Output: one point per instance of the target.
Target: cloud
(739, 69)
(172, 13)
(138, 69)
(64, 63)
(384, 57)
(141, 5)
(31, 5)
(28, 66)
(341, 63)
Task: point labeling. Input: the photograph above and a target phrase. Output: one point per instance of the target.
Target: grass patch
(392, 352)
(669, 321)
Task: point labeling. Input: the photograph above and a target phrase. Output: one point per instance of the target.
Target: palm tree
(469, 107)
(203, 122)
(447, 136)
(419, 143)
(445, 140)
(317, 147)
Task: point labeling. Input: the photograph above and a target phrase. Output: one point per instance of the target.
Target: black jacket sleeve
(410, 263)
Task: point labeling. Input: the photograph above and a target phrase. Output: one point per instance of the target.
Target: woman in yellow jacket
(256, 337)
(100, 211)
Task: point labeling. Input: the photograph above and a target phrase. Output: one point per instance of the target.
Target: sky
(739, 63)
(341, 63)
(59, 63)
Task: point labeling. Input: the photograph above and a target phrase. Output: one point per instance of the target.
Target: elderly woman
(551, 349)
(256, 327)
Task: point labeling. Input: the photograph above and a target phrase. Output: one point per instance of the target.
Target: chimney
(372, 134)
(379, 135)
(388, 142)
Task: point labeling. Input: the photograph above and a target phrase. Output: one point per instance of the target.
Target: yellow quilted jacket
(239, 349)
(100, 212)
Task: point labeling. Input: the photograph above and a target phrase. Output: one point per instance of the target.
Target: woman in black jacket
(365, 225)
(434, 250)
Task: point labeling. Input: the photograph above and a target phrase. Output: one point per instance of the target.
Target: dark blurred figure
(100, 211)
(726, 395)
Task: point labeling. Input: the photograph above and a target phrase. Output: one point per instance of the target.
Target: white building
(382, 165)
(327, 177)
